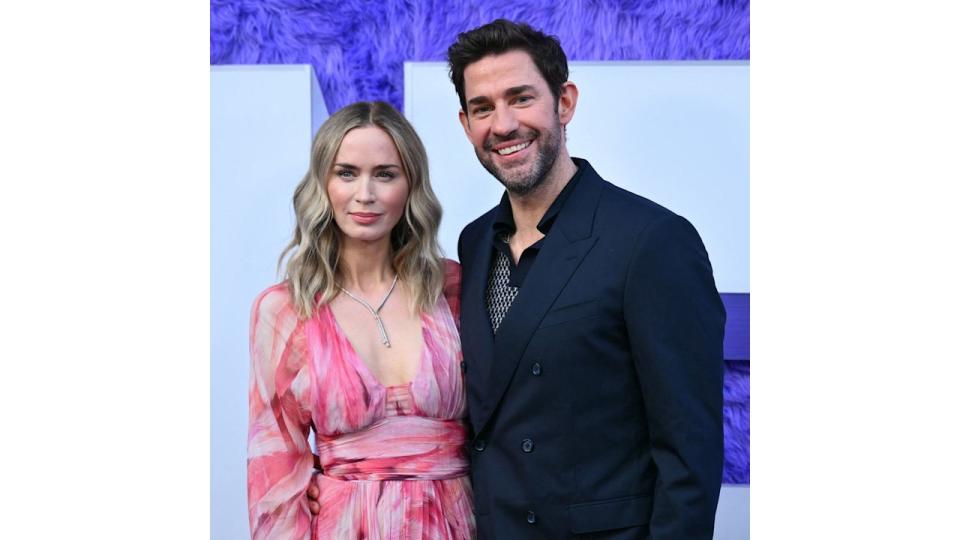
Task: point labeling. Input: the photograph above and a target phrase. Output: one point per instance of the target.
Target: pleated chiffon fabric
(393, 457)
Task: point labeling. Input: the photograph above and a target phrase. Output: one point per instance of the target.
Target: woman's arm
(279, 457)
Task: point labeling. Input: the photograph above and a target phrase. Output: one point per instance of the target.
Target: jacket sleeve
(675, 322)
(279, 457)
(460, 246)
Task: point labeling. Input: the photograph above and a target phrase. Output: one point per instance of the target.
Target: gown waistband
(397, 448)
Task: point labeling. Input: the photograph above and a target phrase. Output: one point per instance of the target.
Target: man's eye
(524, 99)
(481, 110)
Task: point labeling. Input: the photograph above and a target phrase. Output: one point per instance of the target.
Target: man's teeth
(511, 149)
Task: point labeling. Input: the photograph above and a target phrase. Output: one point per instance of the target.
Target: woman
(360, 343)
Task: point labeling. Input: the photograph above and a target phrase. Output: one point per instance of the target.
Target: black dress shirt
(504, 277)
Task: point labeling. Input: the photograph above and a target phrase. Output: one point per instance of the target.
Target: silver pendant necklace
(375, 312)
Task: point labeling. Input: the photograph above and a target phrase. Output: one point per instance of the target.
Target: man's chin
(516, 180)
(521, 186)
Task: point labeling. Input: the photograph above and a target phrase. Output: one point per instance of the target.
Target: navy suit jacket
(597, 409)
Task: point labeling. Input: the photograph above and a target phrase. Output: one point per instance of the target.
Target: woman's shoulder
(451, 286)
(451, 276)
(451, 269)
(273, 302)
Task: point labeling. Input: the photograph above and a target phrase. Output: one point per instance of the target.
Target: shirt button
(536, 369)
(479, 445)
(531, 517)
(527, 445)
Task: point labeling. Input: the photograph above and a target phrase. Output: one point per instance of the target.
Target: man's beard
(516, 182)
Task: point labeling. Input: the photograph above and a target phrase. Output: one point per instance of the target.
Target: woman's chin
(365, 236)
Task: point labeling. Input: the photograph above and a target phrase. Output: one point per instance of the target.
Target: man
(591, 326)
(592, 329)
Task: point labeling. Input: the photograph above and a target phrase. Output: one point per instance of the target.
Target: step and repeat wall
(663, 112)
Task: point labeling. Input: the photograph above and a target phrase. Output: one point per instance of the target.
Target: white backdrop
(262, 119)
(674, 132)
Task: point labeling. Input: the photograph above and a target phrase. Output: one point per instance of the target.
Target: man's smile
(512, 149)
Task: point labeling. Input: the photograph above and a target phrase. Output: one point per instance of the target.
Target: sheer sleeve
(279, 457)
(451, 288)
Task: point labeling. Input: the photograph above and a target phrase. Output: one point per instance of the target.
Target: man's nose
(504, 121)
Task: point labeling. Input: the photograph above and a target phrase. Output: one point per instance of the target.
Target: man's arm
(675, 321)
(460, 247)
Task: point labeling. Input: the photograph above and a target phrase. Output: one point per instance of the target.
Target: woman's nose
(365, 190)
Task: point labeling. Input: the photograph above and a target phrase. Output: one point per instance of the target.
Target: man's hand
(313, 495)
(313, 492)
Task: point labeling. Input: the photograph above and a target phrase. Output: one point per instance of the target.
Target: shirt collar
(503, 223)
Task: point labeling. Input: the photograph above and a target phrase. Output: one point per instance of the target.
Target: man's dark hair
(501, 36)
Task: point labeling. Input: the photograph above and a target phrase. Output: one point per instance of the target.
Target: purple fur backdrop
(736, 422)
(358, 47)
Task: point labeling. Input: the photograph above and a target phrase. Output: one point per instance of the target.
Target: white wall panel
(262, 120)
(674, 132)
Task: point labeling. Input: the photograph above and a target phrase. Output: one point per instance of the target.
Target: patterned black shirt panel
(505, 278)
(500, 293)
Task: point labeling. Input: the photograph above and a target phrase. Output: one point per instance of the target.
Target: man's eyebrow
(510, 92)
(522, 89)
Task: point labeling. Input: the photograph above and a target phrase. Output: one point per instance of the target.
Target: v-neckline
(360, 364)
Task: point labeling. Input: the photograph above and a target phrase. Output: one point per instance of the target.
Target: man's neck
(529, 209)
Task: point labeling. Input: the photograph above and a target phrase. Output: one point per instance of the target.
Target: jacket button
(531, 517)
(536, 369)
(463, 367)
(527, 445)
(479, 445)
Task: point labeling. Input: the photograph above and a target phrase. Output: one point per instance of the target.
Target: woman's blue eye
(345, 174)
(386, 174)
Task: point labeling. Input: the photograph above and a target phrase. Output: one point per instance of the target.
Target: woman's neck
(365, 266)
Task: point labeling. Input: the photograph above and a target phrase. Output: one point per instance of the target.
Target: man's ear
(567, 103)
(465, 122)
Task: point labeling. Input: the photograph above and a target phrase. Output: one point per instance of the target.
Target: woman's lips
(365, 218)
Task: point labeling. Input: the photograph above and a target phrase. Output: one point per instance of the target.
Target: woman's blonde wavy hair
(311, 270)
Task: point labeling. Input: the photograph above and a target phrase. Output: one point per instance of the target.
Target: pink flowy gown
(393, 458)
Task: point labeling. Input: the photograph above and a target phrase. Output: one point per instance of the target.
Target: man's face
(512, 120)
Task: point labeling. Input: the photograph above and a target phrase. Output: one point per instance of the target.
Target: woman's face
(367, 187)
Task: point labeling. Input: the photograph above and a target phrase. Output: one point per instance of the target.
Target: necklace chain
(375, 312)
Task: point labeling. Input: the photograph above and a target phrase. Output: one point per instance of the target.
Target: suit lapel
(564, 248)
(476, 333)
